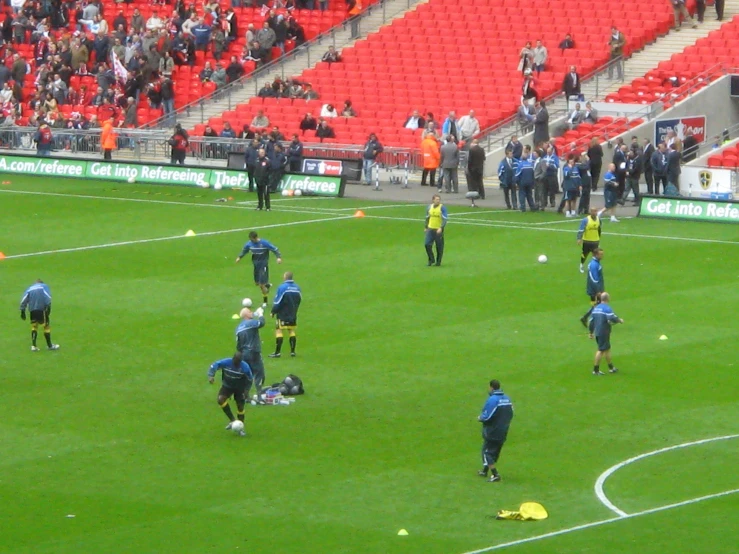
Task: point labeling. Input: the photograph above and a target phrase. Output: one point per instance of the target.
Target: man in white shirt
(154, 23)
(468, 126)
(415, 121)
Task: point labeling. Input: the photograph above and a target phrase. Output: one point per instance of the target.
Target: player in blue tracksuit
(525, 182)
(507, 178)
(595, 284)
(610, 191)
(496, 418)
(571, 184)
(236, 378)
(285, 309)
(37, 298)
(603, 318)
(260, 249)
(249, 344)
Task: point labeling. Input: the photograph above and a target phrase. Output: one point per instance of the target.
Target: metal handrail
(278, 63)
(489, 131)
(688, 86)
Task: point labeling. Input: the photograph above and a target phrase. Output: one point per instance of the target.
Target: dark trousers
(431, 173)
(475, 182)
(295, 166)
(632, 184)
(434, 238)
(254, 359)
(525, 194)
(107, 154)
(595, 174)
(649, 178)
(250, 174)
(621, 180)
(178, 157)
(263, 196)
(552, 188)
(700, 9)
(274, 180)
(584, 205)
(720, 9)
(657, 180)
(510, 196)
(540, 193)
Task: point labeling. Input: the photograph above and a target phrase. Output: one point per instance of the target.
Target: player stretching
(595, 283)
(285, 308)
(37, 299)
(260, 250)
(589, 235)
(603, 318)
(236, 378)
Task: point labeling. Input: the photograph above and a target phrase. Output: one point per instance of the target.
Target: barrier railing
(153, 145)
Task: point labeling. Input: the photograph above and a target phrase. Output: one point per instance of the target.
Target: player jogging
(496, 418)
(250, 346)
(285, 309)
(236, 378)
(595, 283)
(260, 250)
(436, 218)
(589, 235)
(603, 318)
(37, 299)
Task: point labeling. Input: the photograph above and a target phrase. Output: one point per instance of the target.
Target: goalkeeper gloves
(259, 312)
(23, 315)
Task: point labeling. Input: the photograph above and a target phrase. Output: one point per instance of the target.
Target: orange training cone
(2, 256)
(359, 213)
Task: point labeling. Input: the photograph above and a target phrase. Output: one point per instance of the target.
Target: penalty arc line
(604, 522)
(600, 482)
(174, 237)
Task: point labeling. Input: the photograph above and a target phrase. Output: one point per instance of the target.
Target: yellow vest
(434, 217)
(591, 230)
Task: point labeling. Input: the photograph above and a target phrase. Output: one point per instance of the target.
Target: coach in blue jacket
(496, 418)
(507, 178)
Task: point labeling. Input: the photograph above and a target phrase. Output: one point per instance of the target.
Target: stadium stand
(684, 73)
(706, 53)
(423, 62)
(727, 157)
(41, 29)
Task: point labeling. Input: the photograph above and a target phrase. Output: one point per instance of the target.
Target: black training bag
(292, 385)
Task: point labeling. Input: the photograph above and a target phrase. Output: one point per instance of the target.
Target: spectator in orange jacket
(431, 158)
(108, 139)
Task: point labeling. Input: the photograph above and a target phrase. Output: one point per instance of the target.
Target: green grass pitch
(120, 428)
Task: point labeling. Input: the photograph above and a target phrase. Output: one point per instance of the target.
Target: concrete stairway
(599, 87)
(375, 17)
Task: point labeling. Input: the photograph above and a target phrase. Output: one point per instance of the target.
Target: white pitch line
(600, 482)
(174, 237)
(603, 522)
(234, 206)
(553, 230)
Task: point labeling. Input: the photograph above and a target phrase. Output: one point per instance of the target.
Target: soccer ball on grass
(543, 259)
(237, 426)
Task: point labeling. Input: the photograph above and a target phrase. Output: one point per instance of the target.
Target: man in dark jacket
(475, 169)
(496, 418)
(250, 161)
(541, 124)
(634, 166)
(659, 167)
(295, 155)
(673, 167)
(647, 151)
(619, 160)
(372, 149)
(278, 162)
(262, 169)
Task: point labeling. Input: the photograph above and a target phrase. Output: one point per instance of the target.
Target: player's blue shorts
(604, 343)
(609, 195)
(261, 274)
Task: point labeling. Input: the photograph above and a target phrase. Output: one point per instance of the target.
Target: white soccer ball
(218, 186)
(237, 426)
(203, 184)
(298, 192)
(246, 302)
(284, 192)
(132, 179)
(543, 259)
